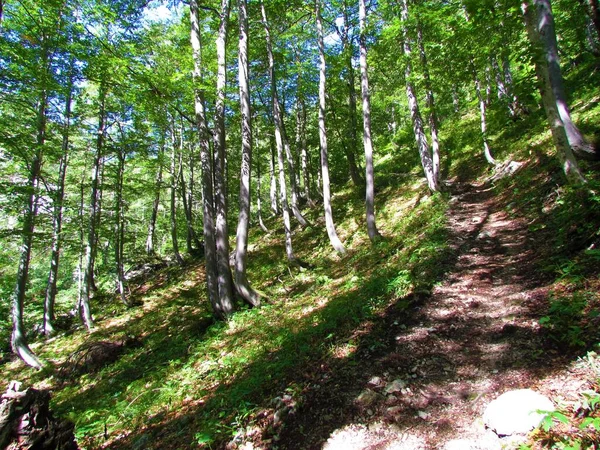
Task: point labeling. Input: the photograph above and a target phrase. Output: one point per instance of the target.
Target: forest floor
(434, 368)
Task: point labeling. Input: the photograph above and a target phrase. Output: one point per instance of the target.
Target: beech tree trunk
(57, 216)
(173, 208)
(210, 251)
(417, 121)
(281, 136)
(241, 250)
(258, 200)
(154, 214)
(548, 86)
(547, 48)
(367, 141)
(18, 338)
(85, 312)
(120, 228)
(483, 117)
(329, 224)
(273, 178)
(224, 276)
(430, 102)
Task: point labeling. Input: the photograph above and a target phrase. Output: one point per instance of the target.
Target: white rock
(515, 412)
(395, 386)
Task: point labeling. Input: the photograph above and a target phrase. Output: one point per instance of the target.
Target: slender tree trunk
(331, 232)
(544, 29)
(421, 139)
(120, 228)
(258, 202)
(92, 240)
(173, 209)
(57, 217)
(594, 9)
(455, 100)
(225, 278)
(241, 251)
(352, 138)
(280, 134)
(430, 102)
(367, 141)
(191, 238)
(483, 117)
(18, 338)
(304, 152)
(548, 90)
(273, 186)
(154, 214)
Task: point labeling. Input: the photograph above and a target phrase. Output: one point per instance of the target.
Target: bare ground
(476, 336)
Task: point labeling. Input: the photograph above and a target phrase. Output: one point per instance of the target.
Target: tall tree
(540, 29)
(417, 120)
(241, 251)
(329, 224)
(367, 140)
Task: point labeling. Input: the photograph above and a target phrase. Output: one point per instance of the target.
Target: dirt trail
(475, 337)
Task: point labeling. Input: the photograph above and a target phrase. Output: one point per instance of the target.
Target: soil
(422, 379)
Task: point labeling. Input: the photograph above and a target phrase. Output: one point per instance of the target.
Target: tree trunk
(304, 152)
(417, 121)
(241, 250)
(546, 37)
(273, 178)
(154, 214)
(57, 216)
(258, 202)
(85, 312)
(548, 90)
(430, 102)
(594, 9)
(224, 276)
(331, 232)
(18, 338)
(367, 141)
(120, 228)
(186, 198)
(483, 117)
(280, 134)
(352, 139)
(173, 208)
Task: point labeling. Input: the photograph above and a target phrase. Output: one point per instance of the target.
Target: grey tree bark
(224, 276)
(483, 117)
(18, 338)
(547, 85)
(367, 140)
(59, 195)
(85, 312)
(173, 203)
(430, 102)
(329, 224)
(417, 121)
(241, 250)
(120, 227)
(273, 178)
(544, 28)
(154, 214)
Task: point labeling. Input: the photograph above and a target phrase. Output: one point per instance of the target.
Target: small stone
(369, 412)
(367, 398)
(395, 386)
(393, 411)
(375, 381)
(423, 415)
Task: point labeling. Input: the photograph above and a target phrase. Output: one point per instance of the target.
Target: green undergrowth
(190, 380)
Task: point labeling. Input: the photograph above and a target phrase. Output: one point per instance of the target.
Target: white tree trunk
(331, 232)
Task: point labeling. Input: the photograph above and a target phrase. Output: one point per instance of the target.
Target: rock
(367, 398)
(375, 382)
(395, 386)
(515, 412)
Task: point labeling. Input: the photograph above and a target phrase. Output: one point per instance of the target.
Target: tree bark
(224, 276)
(273, 178)
(417, 121)
(544, 28)
(241, 251)
(154, 214)
(173, 208)
(483, 117)
(18, 339)
(258, 200)
(329, 224)
(430, 102)
(367, 140)
(550, 101)
(57, 216)
(120, 228)
(280, 135)
(85, 312)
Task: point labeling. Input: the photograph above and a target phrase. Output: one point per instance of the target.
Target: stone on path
(516, 412)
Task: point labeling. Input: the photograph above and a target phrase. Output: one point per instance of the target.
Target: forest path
(421, 378)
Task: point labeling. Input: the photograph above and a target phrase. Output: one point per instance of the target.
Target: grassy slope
(196, 381)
